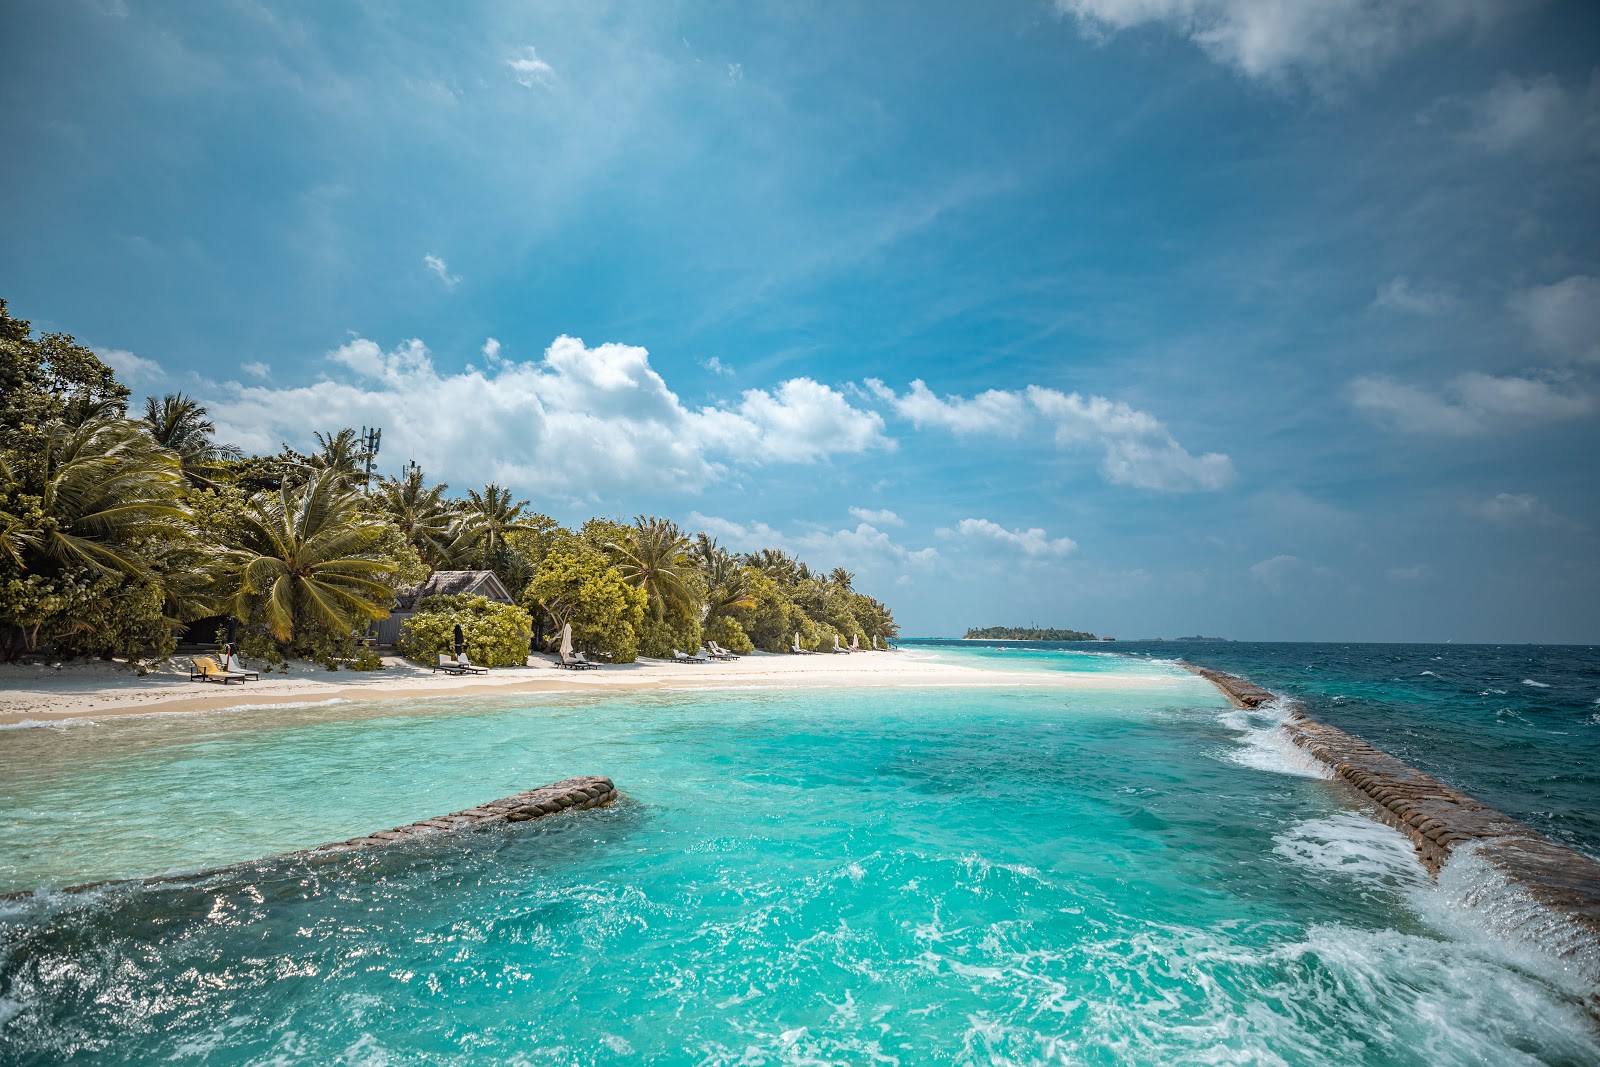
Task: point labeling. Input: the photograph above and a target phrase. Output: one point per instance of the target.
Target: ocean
(1134, 874)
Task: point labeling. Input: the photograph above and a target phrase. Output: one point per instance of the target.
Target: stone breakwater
(1554, 892)
(573, 794)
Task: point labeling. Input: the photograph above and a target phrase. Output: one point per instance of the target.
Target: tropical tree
(486, 519)
(307, 567)
(727, 582)
(777, 565)
(841, 578)
(179, 423)
(582, 590)
(650, 558)
(423, 513)
(341, 454)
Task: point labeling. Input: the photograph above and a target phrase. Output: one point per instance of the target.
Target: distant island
(1028, 633)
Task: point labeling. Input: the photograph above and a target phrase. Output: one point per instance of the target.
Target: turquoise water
(1129, 875)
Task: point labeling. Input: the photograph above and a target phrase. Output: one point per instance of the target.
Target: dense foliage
(116, 532)
(1026, 633)
(494, 635)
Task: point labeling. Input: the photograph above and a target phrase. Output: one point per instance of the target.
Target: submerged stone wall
(1440, 820)
(573, 794)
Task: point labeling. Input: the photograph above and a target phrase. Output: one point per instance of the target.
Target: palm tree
(776, 564)
(727, 582)
(423, 513)
(106, 488)
(306, 556)
(649, 559)
(179, 423)
(841, 578)
(486, 518)
(341, 454)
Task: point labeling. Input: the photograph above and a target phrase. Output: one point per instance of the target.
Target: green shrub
(658, 637)
(726, 631)
(496, 635)
(586, 591)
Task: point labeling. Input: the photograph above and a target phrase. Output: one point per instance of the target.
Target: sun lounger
(575, 662)
(680, 656)
(205, 669)
(235, 667)
(448, 665)
(467, 665)
(718, 652)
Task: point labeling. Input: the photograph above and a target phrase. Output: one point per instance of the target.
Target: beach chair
(448, 665)
(235, 667)
(838, 647)
(585, 662)
(205, 669)
(467, 665)
(718, 652)
(680, 656)
(575, 662)
(855, 643)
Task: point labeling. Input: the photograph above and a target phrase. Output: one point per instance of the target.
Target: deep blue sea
(1098, 862)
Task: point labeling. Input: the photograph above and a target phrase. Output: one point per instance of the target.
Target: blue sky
(1268, 321)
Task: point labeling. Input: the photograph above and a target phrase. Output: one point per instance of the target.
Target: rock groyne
(573, 794)
(1563, 884)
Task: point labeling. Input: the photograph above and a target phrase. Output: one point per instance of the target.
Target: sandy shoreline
(39, 694)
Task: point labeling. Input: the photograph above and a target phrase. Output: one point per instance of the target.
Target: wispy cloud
(1537, 114)
(1471, 403)
(1032, 542)
(129, 367)
(1564, 317)
(1270, 38)
(1403, 294)
(1137, 449)
(530, 71)
(1277, 572)
(257, 370)
(878, 518)
(716, 366)
(442, 269)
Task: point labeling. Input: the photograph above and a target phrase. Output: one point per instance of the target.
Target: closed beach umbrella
(460, 639)
(233, 630)
(566, 641)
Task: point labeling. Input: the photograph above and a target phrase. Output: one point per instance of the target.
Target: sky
(1146, 317)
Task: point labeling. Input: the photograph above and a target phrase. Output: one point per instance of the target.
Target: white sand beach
(44, 694)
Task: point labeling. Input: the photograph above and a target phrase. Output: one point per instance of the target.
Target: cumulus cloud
(491, 352)
(864, 546)
(581, 420)
(1564, 317)
(1032, 542)
(1137, 449)
(439, 267)
(878, 518)
(1536, 114)
(1471, 403)
(1269, 38)
(257, 370)
(130, 368)
(738, 537)
(530, 71)
(1402, 294)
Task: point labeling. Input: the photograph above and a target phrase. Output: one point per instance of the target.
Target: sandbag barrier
(573, 794)
(1562, 882)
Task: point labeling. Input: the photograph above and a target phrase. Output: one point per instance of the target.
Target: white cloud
(257, 370)
(991, 412)
(581, 420)
(1536, 114)
(735, 73)
(1564, 317)
(1414, 573)
(131, 369)
(1471, 403)
(1137, 449)
(491, 352)
(1402, 294)
(530, 71)
(1269, 38)
(878, 518)
(439, 267)
(738, 537)
(716, 366)
(1274, 573)
(863, 546)
(1032, 542)
(1511, 508)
